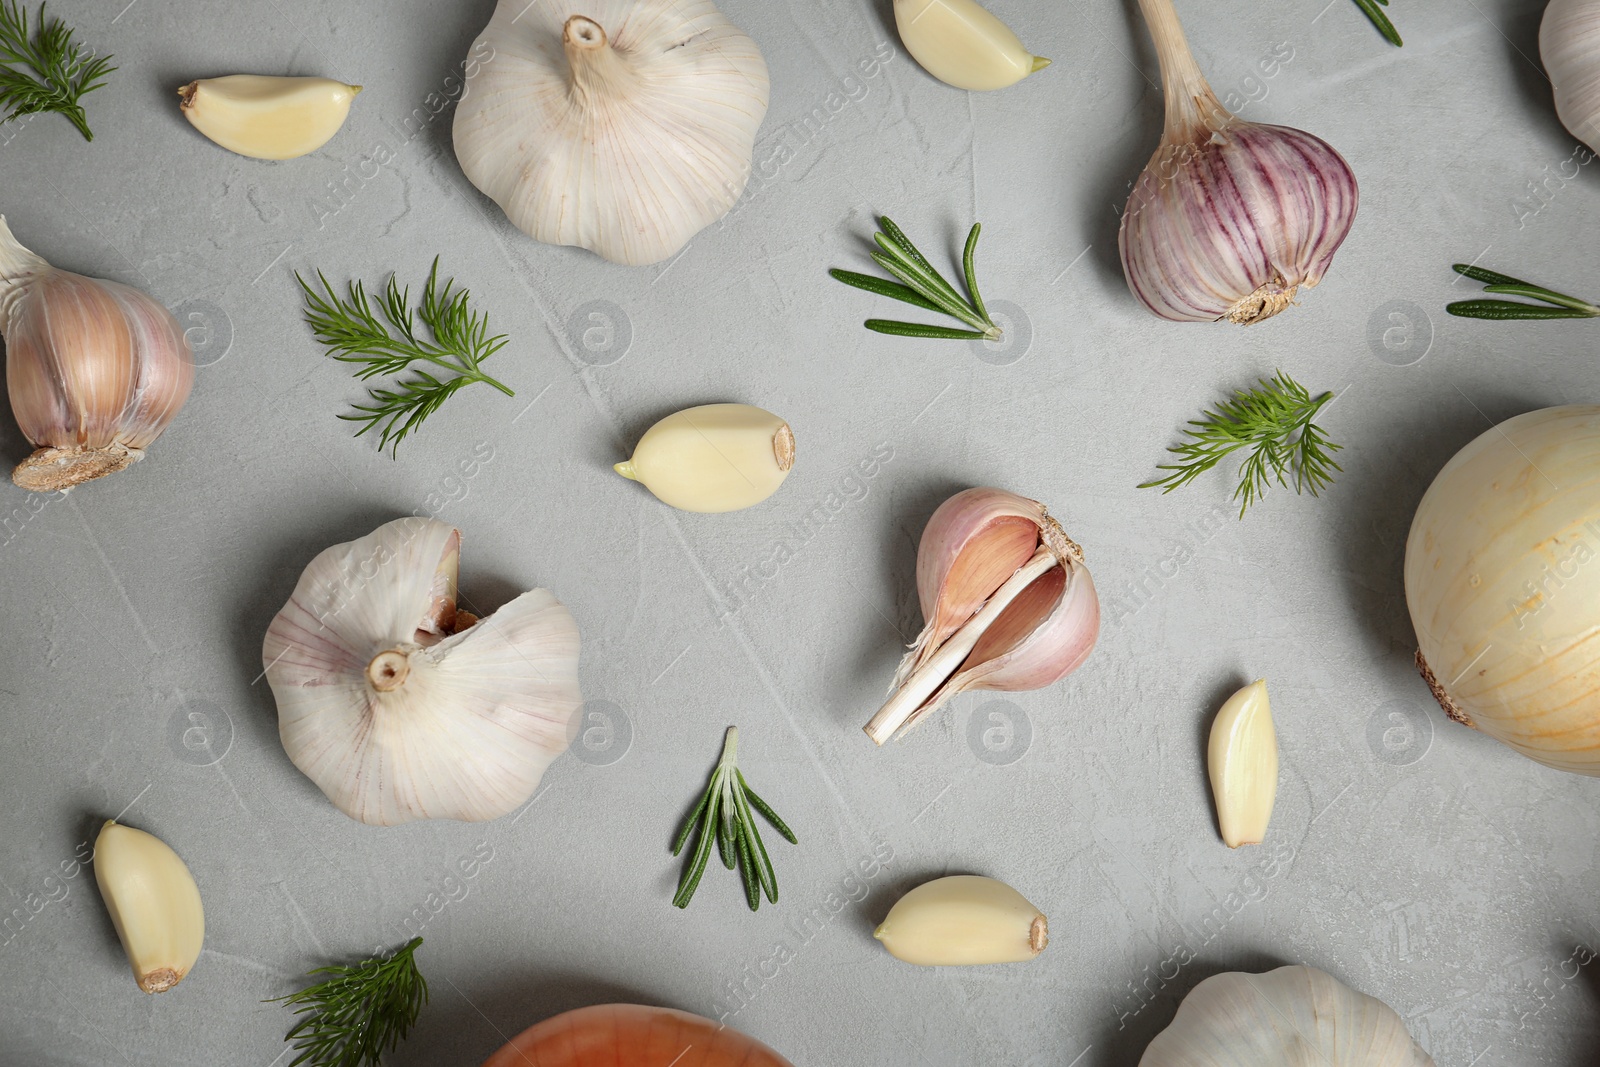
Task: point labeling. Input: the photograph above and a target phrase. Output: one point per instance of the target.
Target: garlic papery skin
(401, 707)
(1503, 589)
(1569, 44)
(1027, 628)
(1289, 1017)
(154, 904)
(713, 458)
(266, 117)
(1230, 218)
(95, 370)
(961, 43)
(1242, 758)
(963, 920)
(623, 126)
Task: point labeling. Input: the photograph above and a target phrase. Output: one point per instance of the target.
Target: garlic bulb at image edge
(1007, 601)
(1504, 590)
(1291, 1016)
(400, 706)
(1230, 218)
(623, 126)
(1569, 44)
(96, 370)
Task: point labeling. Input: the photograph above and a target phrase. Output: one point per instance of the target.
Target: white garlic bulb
(96, 370)
(623, 126)
(1569, 44)
(1290, 1017)
(398, 705)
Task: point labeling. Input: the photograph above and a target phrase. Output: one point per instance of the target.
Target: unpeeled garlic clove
(96, 370)
(963, 920)
(267, 117)
(1243, 761)
(1008, 601)
(154, 904)
(713, 458)
(962, 44)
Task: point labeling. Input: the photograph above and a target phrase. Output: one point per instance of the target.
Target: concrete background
(1413, 859)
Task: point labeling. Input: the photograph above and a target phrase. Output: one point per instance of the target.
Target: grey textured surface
(1415, 860)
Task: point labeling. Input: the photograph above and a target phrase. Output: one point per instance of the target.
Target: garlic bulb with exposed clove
(400, 706)
(1230, 218)
(1295, 1016)
(1569, 44)
(623, 126)
(1008, 605)
(96, 370)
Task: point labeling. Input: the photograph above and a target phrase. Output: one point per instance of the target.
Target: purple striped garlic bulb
(96, 370)
(1007, 601)
(1230, 218)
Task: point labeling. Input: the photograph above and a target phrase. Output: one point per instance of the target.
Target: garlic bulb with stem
(401, 706)
(1501, 586)
(1296, 1016)
(1230, 218)
(1008, 605)
(1569, 44)
(96, 370)
(623, 126)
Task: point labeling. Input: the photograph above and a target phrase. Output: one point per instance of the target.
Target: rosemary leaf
(1561, 306)
(726, 812)
(884, 288)
(920, 284)
(1510, 309)
(1379, 19)
(914, 329)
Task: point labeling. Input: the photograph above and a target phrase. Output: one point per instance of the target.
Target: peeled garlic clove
(398, 705)
(1569, 44)
(962, 44)
(1229, 218)
(1293, 1015)
(1036, 624)
(963, 920)
(154, 904)
(267, 117)
(96, 370)
(626, 129)
(1243, 760)
(717, 457)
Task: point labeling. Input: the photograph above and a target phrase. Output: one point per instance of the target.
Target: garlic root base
(54, 470)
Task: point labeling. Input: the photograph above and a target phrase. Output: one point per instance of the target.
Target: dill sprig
(1273, 421)
(1373, 9)
(922, 286)
(353, 334)
(45, 70)
(1561, 306)
(359, 1011)
(725, 814)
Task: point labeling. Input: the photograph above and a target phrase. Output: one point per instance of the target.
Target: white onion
(1502, 590)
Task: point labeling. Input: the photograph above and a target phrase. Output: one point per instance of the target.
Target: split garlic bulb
(1569, 44)
(1229, 218)
(96, 370)
(1503, 594)
(1290, 1017)
(398, 705)
(623, 126)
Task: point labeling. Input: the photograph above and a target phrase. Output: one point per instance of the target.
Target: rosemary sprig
(45, 70)
(922, 286)
(1561, 306)
(1374, 11)
(1273, 421)
(353, 334)
(358, 1012)
(725, 815)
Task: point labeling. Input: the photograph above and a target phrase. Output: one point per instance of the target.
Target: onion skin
(1502, 593)
(635, 1036)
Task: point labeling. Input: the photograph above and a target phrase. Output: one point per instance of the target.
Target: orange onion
(633, 1035)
